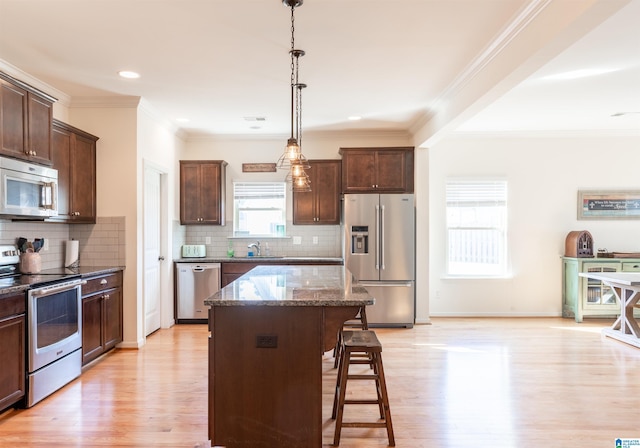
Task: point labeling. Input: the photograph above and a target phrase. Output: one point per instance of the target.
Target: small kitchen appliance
(194, 251)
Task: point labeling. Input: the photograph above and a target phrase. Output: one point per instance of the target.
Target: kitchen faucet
(256, 246)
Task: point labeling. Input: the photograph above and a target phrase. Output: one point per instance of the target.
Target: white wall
(159, 148)
(544, 175)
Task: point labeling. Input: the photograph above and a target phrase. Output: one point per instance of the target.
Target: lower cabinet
(583, 297)
(101, 315)
(12, 349)
(231, 271)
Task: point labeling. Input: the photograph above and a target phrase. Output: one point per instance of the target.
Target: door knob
(160, 258)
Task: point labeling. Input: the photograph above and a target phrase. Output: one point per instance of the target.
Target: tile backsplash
(101, 244)
(328, 241)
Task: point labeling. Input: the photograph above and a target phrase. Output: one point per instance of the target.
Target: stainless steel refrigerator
(379, 249)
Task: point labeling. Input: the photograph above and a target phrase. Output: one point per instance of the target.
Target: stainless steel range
(54, 325)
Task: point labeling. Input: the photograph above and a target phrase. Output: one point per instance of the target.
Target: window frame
(492, 192)
(278, 227)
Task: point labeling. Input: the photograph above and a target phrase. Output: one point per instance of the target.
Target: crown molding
(123, 101)
(34, 82)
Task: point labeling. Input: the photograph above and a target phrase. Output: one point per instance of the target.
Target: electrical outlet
(297, 240)
(266, 341)
(207, 240)
(315, 240)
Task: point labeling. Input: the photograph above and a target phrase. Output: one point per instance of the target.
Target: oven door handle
(67, 286)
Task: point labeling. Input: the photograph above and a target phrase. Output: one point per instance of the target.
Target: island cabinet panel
(377, 170)
(202, 192)
(26, 117)
(12, 349)
(321, 205)
(74, 156)
(101, 315)
(266, 373)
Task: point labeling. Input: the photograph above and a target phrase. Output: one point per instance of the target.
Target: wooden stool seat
(355, 343)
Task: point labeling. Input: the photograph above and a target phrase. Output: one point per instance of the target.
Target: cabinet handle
(106, 296)
(103, 281)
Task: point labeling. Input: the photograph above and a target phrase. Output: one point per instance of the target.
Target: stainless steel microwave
(27, 189)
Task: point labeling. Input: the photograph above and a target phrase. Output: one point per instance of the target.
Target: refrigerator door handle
(375, 283)
(377, 238)
(382, 237)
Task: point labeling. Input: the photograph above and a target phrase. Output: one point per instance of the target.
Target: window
(259, 209)
(476, 228)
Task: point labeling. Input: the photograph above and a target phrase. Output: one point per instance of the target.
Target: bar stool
(355, 342)
(360, 321)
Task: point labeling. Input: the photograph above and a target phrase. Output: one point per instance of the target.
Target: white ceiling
(418, 66)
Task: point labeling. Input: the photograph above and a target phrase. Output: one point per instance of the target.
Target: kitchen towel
(71, 254)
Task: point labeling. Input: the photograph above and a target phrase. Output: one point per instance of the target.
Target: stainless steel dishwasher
(195, 282)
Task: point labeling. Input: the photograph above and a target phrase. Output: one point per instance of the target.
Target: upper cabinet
(202, 191)
(74, 156)
(321, 205)
(377, 170)
(26, 117)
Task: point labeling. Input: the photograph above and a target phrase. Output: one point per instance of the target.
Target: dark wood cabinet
(377, 170)
(26, 117)
(12, 349)
(321, 205)
(101, 315)
(202, 192)
(74, 156)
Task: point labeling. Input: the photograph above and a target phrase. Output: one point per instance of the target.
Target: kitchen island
(269, 330)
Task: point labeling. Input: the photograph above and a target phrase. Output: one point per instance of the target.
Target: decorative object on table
(259, 168)
(615, 204)
(72, 259)
(578, 244)
(292, 158)
(30, 261)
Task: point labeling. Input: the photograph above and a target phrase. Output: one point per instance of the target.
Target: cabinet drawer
(631, 266)
(12, 304)
(237, 268)
(102, 282)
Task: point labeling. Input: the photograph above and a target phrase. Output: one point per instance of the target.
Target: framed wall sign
(609, 204)
(258, 167)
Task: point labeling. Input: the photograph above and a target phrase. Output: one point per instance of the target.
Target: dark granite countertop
(304, 285)
(24, 282)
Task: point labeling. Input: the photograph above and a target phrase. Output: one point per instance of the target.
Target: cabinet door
(390, 168)
(210, 200)
(39, 122)
(92, 345)
(202, 187)
(12, 354)
(328, 182)
(189, 193)
(83, 179)
(321, 205)
(112, 325)
(358, 171)
(13, 120)
(597, 295)
(61, 159)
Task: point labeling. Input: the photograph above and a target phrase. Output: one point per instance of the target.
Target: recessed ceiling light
(128, 74)
(354, 118)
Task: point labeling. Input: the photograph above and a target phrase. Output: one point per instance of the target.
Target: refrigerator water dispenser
(359, 239)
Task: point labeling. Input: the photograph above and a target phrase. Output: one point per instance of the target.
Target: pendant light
(292, 157)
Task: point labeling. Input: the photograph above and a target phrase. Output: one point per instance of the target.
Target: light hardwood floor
(460, 382)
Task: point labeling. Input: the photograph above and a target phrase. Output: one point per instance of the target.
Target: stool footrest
(354, 401)
(364, 425)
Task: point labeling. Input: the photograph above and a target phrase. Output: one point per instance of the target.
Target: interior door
(152, 250)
